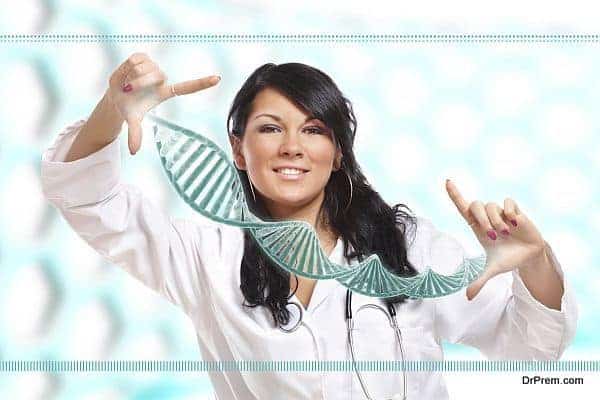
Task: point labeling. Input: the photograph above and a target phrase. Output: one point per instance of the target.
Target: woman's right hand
(138, 85)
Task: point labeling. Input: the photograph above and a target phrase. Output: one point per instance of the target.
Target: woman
(291, 132)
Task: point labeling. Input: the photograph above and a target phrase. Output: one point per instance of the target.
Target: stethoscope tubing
(390, 314)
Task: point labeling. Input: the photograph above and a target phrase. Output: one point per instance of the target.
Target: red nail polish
(127, 88)
(505, 231)
(512, 221)
(491, 234)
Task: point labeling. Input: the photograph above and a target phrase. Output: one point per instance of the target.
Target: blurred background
(501, 119)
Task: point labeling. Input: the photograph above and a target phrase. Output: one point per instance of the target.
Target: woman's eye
(268, 128)
(314, 130)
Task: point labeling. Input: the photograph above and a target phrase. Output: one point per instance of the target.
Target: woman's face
(280, 135)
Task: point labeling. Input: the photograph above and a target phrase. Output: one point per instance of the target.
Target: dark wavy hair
(370, 225)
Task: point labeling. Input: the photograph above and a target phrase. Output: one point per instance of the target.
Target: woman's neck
(308, 213)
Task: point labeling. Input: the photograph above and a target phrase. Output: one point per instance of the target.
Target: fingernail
(512, 221)
(127, 88)
(505, 232)
(491, 234)
(216, 79)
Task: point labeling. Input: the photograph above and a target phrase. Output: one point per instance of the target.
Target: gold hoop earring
(350, 200)
(251, 188)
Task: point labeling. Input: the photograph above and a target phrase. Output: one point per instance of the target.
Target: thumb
(476, 286)
(134, 137)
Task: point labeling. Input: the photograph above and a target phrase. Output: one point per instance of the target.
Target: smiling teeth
(290, 171)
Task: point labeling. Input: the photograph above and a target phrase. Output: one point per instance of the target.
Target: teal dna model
(206, 179)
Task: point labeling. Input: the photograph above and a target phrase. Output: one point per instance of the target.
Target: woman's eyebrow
(278, 119)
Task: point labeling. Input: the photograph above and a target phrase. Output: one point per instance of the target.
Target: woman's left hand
(509, 238)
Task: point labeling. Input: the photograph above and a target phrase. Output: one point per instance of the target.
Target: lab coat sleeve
(123, 226)
(504, 321)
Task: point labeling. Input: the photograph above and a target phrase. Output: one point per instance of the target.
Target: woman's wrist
(105, 122)
(100, 129)
(111, 117)
(538, 263)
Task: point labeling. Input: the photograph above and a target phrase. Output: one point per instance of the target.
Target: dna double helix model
(205, 178)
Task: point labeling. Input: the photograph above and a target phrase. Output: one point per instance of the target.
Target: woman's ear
(236, 148)
(337, 164)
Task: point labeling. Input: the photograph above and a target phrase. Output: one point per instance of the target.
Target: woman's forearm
(543, 282)
(101, 128)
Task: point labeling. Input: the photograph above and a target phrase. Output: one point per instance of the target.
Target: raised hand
(138, 85)
(509, 238)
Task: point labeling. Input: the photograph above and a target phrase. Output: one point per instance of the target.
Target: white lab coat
(197, 267)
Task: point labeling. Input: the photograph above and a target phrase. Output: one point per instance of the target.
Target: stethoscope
(391, 316)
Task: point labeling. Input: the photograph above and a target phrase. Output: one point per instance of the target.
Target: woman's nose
(291, 145)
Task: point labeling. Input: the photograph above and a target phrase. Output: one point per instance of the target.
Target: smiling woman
(288, 159)
(287, 155)
(278, 135)
(292, 133)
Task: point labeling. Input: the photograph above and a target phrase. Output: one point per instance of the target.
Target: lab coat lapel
(324, 287)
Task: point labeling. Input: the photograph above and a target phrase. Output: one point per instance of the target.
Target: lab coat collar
(324, 287)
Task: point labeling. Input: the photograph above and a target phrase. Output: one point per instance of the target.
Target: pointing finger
(459, 201)
(191, 86)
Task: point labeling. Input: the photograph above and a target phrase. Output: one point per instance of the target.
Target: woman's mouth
(290, 174)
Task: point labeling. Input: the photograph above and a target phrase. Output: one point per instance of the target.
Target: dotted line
(404, 38)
